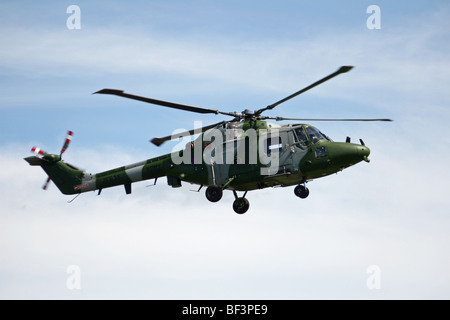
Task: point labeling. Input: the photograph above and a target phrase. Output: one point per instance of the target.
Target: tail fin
(65, 177)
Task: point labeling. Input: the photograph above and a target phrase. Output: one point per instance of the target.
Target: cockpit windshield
(315, 135)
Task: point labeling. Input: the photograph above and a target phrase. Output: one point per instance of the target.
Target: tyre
(214, 193)
(241, 205)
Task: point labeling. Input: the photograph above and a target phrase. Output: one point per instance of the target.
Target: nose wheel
(240, 204)
(301, 191)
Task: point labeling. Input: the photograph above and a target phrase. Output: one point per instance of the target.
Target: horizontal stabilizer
(35, 161)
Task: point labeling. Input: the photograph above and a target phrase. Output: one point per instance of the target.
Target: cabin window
(274, 143)
(301, 140)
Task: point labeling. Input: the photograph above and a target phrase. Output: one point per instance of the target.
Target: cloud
(163, 243)
(398, 72)
(172, 243)
(388, 59)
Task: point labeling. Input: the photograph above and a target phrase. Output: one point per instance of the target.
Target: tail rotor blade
(38, 151)
(45, 186)
(67, 142)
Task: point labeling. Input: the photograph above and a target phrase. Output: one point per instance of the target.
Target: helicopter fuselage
(300, 152)
(251, 155)
(242, 154)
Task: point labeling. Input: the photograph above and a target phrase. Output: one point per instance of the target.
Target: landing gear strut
(214, 193)
(301, 191)
(240, 205)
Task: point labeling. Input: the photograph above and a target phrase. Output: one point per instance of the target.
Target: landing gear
(301, 191)
(241, 204)
(214, 193)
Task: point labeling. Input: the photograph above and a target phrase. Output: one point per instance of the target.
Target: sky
(164, 243)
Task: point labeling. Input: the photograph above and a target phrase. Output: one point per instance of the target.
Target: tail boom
(72, 181)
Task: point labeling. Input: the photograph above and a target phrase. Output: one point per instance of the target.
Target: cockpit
(306, 135)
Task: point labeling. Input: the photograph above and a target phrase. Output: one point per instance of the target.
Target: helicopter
(242, 154)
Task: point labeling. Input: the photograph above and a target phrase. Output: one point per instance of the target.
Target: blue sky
(227, 55)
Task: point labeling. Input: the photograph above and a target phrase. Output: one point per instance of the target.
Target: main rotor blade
(160, 141)
(342, 69)
(168, 104)
(303, 119)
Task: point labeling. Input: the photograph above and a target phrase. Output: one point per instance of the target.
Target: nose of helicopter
(347, 154)
(364, 152)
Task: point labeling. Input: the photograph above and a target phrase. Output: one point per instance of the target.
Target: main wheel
(241, 205)
(214, 193)
(301, 191)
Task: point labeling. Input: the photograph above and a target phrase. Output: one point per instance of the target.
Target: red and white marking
(67, 142)
(37, 151)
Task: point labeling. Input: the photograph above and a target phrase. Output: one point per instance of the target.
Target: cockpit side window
(302, 141)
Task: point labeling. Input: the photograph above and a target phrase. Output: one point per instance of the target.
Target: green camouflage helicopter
(243, 154)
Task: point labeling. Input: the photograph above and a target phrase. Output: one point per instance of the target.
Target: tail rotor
(45, 156)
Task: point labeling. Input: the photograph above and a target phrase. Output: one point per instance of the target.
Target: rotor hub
(247, 114)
